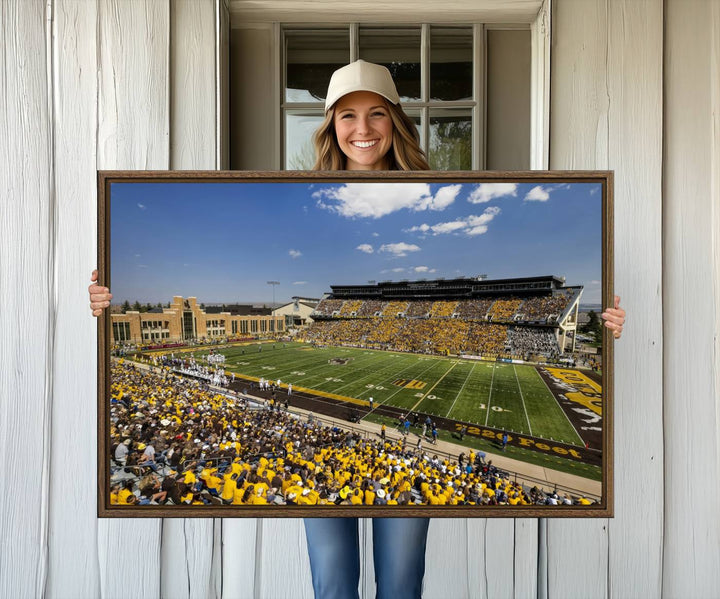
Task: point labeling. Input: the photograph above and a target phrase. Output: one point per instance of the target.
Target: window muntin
(435, 69)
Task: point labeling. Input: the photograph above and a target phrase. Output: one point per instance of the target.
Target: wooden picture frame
(455, 296)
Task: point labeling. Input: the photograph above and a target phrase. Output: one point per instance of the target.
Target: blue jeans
(398, 552)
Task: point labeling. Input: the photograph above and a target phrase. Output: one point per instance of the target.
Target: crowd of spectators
(473, 309)
(419, 335)
(418, 309)
(442, 309)
(530, 340)
(395, 308)
(350, 307)
(476, 327)
(503, 310)
(532, 309)
(327, 307)
(175, 442)
(536, 309)
(371, 308)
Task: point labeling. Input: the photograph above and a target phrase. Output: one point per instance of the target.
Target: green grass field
(505, 396)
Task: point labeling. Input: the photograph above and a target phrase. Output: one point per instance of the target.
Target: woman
(365, 129)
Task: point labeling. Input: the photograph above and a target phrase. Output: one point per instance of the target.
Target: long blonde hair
(404, 155)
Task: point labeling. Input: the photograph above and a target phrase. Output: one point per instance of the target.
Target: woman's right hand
(99, 296)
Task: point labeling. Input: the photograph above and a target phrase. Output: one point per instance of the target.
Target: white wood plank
(133, 130)
(190, 566)
(133, 127)
(239, 557)
(692, 304)
(193, 85)
(72, 543)
(635, 88)
(447, 559)
(490, 557)
(187, 558)
(128, 556)
(577, 550)
(398, 11)
(526, 548)
(282, 566)
(540, 88)
(26, 280)
(222, 67)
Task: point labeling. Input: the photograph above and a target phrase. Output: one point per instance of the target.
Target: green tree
(137, 307)
(125, 306)
(594, 326)
(450, 145)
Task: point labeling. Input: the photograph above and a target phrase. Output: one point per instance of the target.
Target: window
(467, 86)
(435, 69)
(121, 331)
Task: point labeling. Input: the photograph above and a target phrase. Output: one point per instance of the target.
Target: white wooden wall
(134, 84)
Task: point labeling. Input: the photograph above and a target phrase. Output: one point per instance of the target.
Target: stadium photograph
(291, 346)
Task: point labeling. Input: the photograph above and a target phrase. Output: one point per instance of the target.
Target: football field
(504, 396)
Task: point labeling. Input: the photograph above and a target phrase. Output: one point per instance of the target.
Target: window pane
(299, 150)
(414, 115)
(508, 100)
(399, 51)
(311, 58)
(451, 55)
(450, 140)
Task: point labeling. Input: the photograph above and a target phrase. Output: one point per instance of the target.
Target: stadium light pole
(274, 284)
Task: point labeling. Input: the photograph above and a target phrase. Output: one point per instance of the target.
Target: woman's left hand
(615, 318)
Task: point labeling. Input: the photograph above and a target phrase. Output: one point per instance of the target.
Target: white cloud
(399, 249)
(375, 200)
(142, 265)
(486, 192)
(445, 196)
(141, 206)
(299, 282)
(595, 282)
(387, 270)
(376, 234)
(419, 229)
(451, 227)
(470, 225)
(365, 247)
(295, 253)
(137, 255)
(424, 269)
(537, 194)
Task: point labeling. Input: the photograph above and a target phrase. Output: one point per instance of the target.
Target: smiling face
(364, 130)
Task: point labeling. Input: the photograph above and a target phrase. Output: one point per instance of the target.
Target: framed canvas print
(355, 344)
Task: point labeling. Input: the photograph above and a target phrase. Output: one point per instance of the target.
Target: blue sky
(222, 242)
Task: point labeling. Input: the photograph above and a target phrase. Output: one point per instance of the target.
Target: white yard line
(433, 387)
(522, 398)
(321, 366)
(489, 405)
(374, 373)
(467, 378)
(403, 388)
(572, 426)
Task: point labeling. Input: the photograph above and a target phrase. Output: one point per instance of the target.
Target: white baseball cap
(361, 76)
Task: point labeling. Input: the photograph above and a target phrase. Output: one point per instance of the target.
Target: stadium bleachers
(494, 325)
(209, 450)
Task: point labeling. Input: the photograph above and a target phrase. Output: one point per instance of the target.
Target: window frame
(476, 106)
